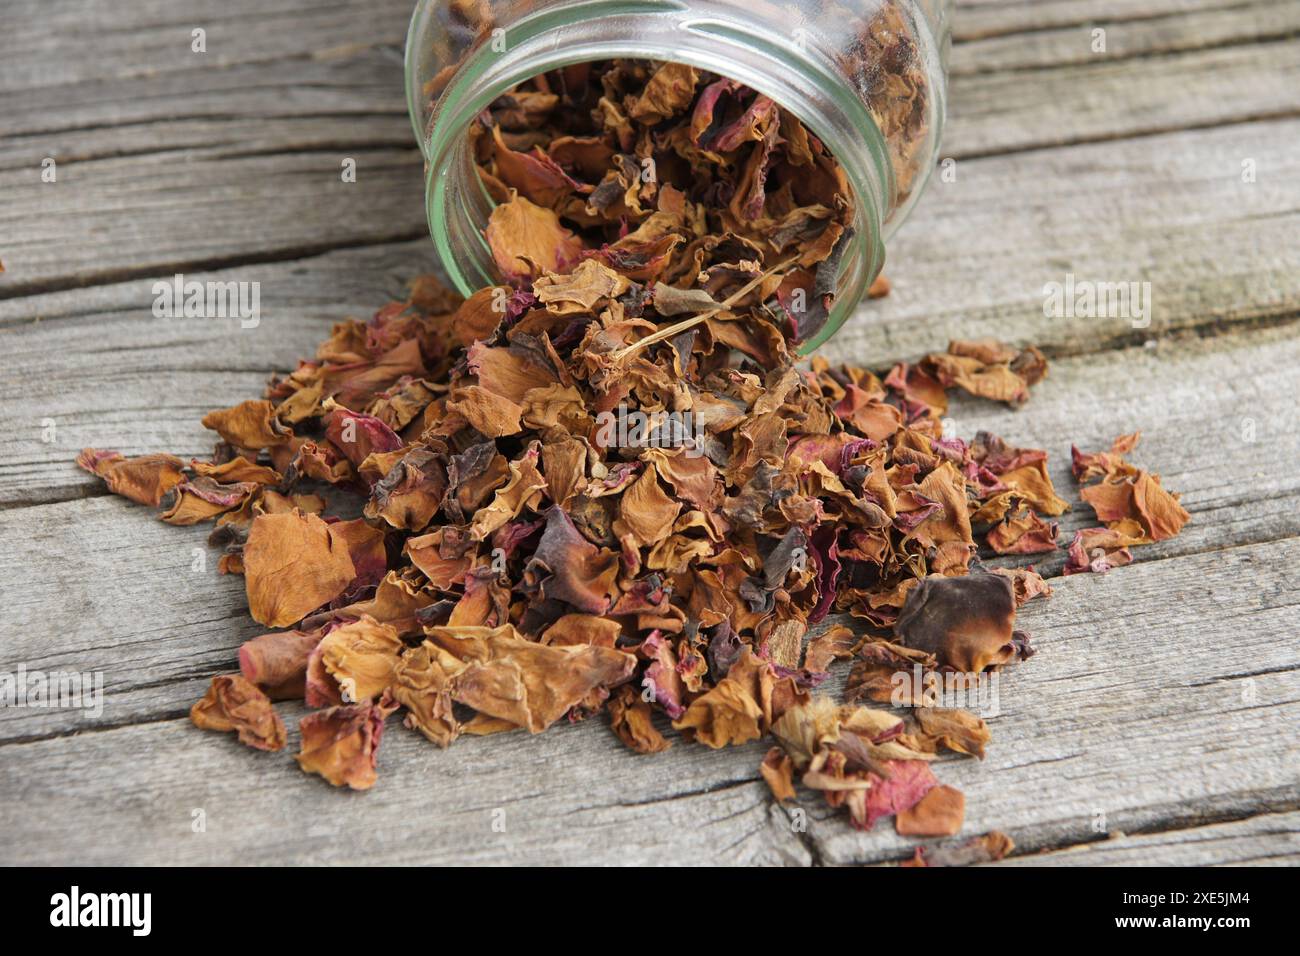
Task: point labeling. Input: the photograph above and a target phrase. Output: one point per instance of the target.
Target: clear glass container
(867, 77)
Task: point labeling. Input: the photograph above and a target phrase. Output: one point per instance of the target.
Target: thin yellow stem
(678, 327)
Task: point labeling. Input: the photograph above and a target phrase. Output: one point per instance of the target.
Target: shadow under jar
(867, 77)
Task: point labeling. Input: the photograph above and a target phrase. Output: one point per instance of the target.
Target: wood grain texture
(1127, 36)
(1270, 839)
(978, 19)
(149, 38)
(1156, 724)
(1169, 210)
(1105, 99)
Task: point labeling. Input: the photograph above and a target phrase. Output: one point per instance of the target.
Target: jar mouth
(798, 78)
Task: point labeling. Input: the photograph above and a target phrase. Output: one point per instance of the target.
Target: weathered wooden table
(1158, 721)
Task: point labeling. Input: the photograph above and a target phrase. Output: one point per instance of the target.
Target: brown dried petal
(233, 703)
(277, 662)
(527, 240)
(957, 730)
(293, 564)
(423, 687)
(966, 622)
(533, 685)
(491, 414)
(778, 770)
(569, 568)
(939, 813)
(145, 479)
(342, 744)
(580, 292)
(669, 91)
(629, 718)
(646, 513)
(362, 657)
(727, 715)
(251, 424)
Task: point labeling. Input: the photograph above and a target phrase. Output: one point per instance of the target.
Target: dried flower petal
(966, 622)
(233, 703)
(342, 744)
(293, 564)
(939, 813)
(145, 479)
(629, 717)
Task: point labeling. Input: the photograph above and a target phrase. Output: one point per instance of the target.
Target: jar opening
(800, 81)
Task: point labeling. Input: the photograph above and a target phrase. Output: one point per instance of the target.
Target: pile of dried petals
(568, 500)
(687, 185)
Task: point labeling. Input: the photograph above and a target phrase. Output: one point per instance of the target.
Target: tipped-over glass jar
(867, 77)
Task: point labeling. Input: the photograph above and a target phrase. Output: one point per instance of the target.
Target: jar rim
(796, 76)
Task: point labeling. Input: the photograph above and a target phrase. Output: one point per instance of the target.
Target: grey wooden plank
(1114, 98)
(977, 19)
(177, 626)
(86, 117)
(579, 797)
(1162, 693)
(1172, 210)
(1025, 46)
(45, 42)
(99, 590)
(1269, 839)
(113, 219)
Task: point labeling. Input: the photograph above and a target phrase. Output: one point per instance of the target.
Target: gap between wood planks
(1263, 838)
(289, 254)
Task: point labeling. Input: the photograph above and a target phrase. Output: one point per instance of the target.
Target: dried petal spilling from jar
(704, 191)
(882, 57)
(608, 488)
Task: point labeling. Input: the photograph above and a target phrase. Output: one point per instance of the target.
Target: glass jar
(867, 77)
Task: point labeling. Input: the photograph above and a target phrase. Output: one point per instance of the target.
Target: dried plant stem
(678, 327)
